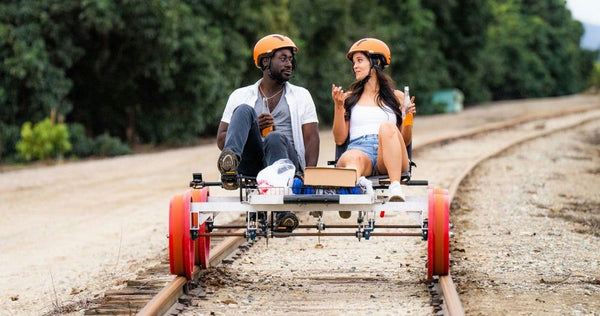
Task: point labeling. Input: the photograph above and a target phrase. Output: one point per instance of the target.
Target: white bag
(276, 178)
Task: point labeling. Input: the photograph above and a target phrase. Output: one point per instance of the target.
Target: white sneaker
(396, 194)
(366, 185)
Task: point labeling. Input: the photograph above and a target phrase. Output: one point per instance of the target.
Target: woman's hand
(339, 96)
(411, 108)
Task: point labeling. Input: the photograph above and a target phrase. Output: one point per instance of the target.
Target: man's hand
(265, 120)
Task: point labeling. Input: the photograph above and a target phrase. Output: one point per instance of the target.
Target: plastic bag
(276, 178)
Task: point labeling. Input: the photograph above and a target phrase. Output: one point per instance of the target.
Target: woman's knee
(388, 129)
(352, 157)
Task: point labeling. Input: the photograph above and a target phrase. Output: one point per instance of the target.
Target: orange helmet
(372, 46)
(270, 43)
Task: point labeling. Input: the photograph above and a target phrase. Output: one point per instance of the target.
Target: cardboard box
(330, 177)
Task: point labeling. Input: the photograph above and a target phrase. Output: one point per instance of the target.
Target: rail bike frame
(192, 215)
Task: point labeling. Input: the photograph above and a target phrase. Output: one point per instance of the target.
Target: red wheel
(176, 235)
(438, 230)
(188, 242)
(442, 247)
(202, 249)
(181, 245)
(430, 232)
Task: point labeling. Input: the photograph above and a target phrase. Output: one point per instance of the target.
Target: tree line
(159, 72)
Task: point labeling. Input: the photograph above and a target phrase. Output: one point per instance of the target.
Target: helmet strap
(268, 67)
(367, 77)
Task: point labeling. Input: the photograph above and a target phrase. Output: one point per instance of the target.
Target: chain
(266, 99)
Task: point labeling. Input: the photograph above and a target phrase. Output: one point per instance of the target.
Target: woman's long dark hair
(385, 96)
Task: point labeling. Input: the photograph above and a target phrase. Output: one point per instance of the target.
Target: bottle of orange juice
(407, 118)
(265, 131)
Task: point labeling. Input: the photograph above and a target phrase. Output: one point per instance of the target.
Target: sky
(587, 11)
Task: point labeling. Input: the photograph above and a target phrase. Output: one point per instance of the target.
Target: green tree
(461, 31)
(154, 71)
(34, 54)
(236, 26)
(556, 42)
(329, 28)
(325, 33)
(417, 58)
(146, 71)
(533, 50)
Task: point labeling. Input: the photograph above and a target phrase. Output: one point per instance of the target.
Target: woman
(370, 115)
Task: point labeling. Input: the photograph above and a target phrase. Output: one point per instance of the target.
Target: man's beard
(279, 77)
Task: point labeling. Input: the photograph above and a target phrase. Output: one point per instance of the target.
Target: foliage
(9, 136)
(595, 78)
(107, 146)
(154, 71)
(417, 58)
(82, 145)
(433, 108)
(533, 51)
(103, 145)
(461, 27)
(43, 140)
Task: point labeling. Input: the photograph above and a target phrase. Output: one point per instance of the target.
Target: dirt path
(73, 230)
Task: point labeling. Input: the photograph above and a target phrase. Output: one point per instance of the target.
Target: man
(269, 120)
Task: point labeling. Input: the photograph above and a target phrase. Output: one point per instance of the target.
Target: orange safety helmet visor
(269, 44)
(372, 46)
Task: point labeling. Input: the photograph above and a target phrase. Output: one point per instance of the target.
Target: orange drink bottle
(265, 131)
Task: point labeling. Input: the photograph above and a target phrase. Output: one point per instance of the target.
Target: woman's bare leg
(354, 158)
(392, 158)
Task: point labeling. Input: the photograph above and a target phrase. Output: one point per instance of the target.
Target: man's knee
(243, 109)
(275, 139)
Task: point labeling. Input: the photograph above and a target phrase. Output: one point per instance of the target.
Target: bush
(9, 136)
(595, 78)
(44, 140)
(102, 146)
(108, 146)
(83, 146)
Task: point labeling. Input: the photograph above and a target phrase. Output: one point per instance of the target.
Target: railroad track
(137, 298)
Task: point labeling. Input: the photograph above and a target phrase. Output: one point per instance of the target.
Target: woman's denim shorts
(368, 144)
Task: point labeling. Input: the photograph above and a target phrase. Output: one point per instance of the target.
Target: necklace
(266, 99)
(271, 97)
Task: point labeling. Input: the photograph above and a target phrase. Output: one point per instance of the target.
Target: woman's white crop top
(365, 120)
